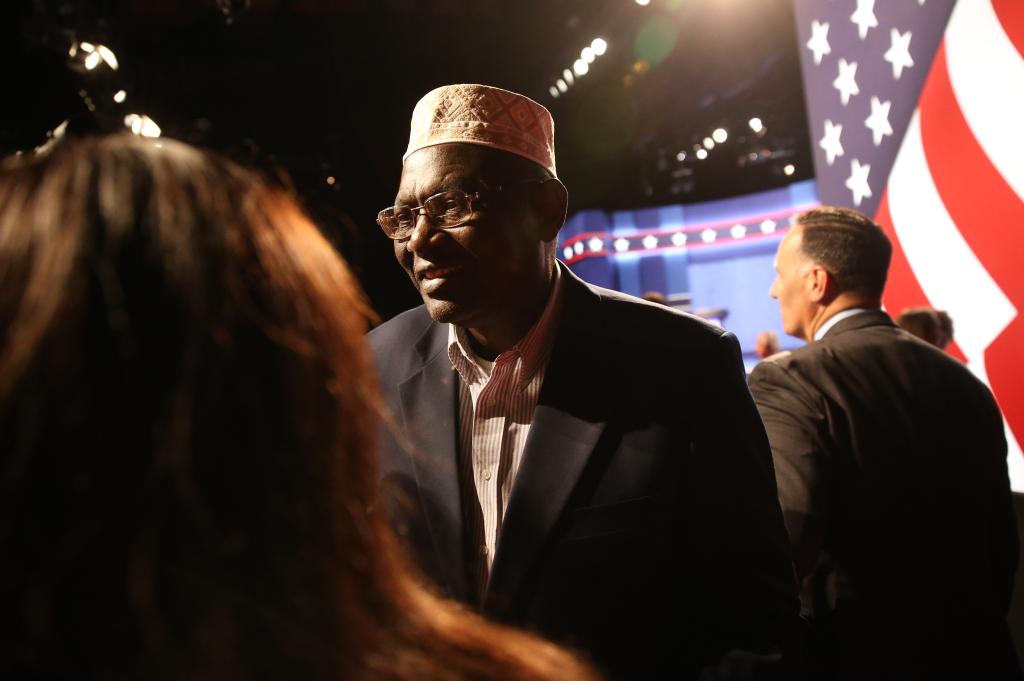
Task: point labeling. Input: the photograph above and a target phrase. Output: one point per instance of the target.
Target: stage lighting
(789, 169)
(708, 235)
(567, 75)
(681, 156)
(567, 252)
(709, 143)
(738, 231)
(599, 46)
(120, 96)
(595, 244)
(580, 67)
(621, 245)
(92, 60)
(142, 125)
(768, 226)
(108, 56)
(554, 91)
(702, 154)
(650, 241)
(679, 239)
(562, 87)
(578, 247)
(756, 125)
(643, 3)
(720, 135)
(587, 55)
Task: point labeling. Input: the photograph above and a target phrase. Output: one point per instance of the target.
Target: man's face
(791, 285)
(485, 268)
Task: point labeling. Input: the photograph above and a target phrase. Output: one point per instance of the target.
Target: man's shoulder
(632, 319)
(403, 329)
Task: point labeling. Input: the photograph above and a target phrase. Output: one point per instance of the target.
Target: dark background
(326, 89)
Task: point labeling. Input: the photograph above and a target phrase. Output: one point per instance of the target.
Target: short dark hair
(923, 322)
(852, 248)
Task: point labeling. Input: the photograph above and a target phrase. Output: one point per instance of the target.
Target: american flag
(917, 118)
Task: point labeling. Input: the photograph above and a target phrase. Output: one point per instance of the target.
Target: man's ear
(820, 284)
(552, 202)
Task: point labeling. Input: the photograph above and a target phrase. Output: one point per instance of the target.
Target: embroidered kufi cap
(484, 115)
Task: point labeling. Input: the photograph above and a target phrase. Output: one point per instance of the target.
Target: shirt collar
(835, 319)
(533, 349)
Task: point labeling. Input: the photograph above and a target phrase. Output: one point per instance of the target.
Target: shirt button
(487, 475)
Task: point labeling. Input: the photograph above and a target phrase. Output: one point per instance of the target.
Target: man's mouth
(439, 272)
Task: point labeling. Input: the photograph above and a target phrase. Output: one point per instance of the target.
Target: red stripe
(1011, 16)
(990, 217)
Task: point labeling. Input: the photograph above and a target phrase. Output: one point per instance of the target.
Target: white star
(878, 121)
(857, 182)
(818, 44)
(864, 17)
(830, 142)
(898, 53)
(846, 83)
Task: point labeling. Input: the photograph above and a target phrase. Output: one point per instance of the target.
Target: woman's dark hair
(187, 419)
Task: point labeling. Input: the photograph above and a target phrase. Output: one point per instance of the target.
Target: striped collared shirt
(496, 404)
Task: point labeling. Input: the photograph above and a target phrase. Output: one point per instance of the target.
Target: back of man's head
(853, 249)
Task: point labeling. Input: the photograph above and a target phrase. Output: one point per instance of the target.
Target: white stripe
(1014, 456)
(945, 266)
(947, 269)
(987, 74)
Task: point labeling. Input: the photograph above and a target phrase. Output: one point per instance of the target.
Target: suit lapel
(565, 429)
(429, 398)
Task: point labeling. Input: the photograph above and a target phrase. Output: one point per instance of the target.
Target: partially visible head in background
(766, 344)
(187, 419)
(927, 324)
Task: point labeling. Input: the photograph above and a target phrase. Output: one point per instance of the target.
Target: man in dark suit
(562, 457)
(891, 463)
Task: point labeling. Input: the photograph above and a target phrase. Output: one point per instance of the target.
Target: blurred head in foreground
(187, 411)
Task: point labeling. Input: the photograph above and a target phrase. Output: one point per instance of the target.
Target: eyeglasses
(445, 210)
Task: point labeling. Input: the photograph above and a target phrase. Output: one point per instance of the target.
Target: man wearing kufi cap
(533, 468)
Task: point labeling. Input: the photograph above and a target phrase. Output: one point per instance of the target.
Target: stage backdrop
(719, 255)
(916, 111)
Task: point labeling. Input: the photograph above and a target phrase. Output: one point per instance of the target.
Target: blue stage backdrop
(713, 258)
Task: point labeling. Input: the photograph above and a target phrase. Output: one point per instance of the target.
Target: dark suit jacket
(891, 463)
(643, 526)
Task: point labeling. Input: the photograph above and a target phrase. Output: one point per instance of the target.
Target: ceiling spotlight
(768, 226)
(756, 125)
(93, 60)
(702, 154)
(142, 125)
(554, 91)
(621, 245)
(738, 231)
(720, 135)
(599, 46)
(120, 96)
(709, 143)
(567, 75)
(588, 55)
(580, 67)
(643, 3)
(708, 235)
(595, 244)
(681, 156)
(789, 169)
(650, 241)
(108, 56)
(578, 247)
(567, 252)
(679, 239)
(562, 87)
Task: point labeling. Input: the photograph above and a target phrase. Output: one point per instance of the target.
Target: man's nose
(423, 231)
